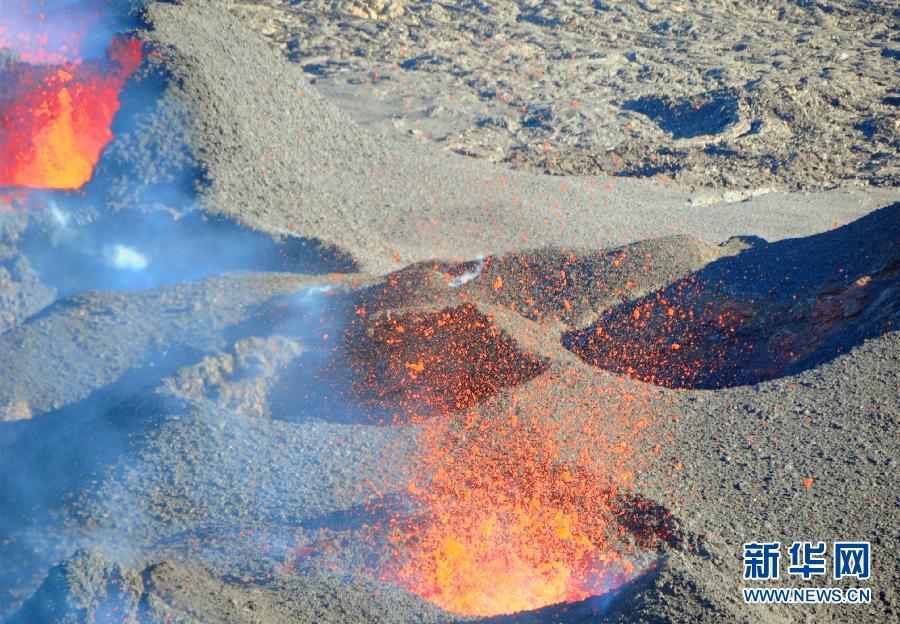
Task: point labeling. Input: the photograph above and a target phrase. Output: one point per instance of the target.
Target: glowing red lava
(55, 120)
(508, 521)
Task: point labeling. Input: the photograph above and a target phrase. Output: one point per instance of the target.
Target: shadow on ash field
(772, 310)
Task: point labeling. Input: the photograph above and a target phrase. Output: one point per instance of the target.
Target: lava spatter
(55, 120)
(51, 32)
(516, 507)
(505, 524)
(436, 361)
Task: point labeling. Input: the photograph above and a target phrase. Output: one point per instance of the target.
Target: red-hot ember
(55, 120)
(510, 518)
(446, 360)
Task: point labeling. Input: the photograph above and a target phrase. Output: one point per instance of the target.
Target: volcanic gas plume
(45, 32)
(55, 119)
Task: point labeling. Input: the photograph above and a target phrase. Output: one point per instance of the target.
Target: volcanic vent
(515, 489)
(58, 108)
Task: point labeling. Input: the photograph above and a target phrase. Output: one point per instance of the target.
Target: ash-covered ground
(436, 312)
(745, 95)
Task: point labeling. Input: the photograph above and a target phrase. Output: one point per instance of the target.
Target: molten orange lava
(506, 524)
(55, 121)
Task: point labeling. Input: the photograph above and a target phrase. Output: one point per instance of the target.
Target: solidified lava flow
(55, 119)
